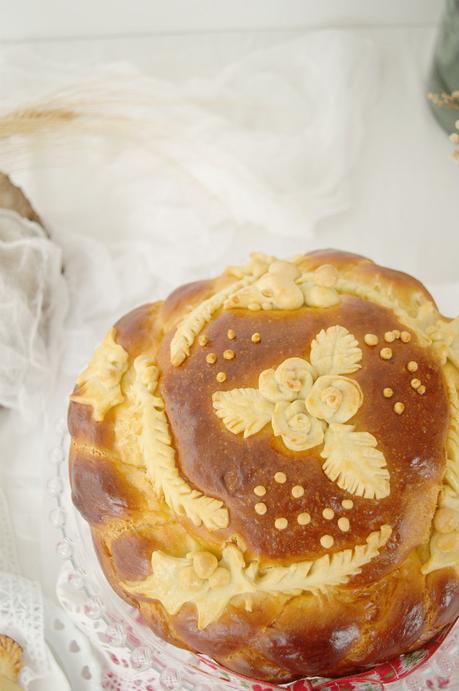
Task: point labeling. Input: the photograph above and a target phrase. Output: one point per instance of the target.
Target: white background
(31, 19)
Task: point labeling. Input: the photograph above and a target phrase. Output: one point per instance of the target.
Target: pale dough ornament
(300, 405)
(334, 398)
(99, 384)
(211, 599)
(299, 431)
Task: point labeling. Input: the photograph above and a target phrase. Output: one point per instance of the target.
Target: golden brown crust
(385, 606)
(131, 556)
(99, 491)
(188, 294)
(443, 586)
(89, 433)
(240, 465)
(138, 330)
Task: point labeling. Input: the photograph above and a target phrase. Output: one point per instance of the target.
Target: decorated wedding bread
(269, 463)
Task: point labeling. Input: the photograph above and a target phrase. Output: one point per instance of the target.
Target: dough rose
(298, 430)
(278, 285)
(292, 379)
(334, 398)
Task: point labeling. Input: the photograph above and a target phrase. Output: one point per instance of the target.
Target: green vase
(444, 76)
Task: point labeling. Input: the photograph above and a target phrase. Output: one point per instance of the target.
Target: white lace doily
(21, 605)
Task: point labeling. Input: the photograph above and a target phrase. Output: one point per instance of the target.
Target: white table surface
(405, 209)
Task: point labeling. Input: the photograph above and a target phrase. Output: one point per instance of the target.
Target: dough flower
(298, 430)
(291, 380)
(334, 398)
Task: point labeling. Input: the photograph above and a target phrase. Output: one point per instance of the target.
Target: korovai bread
(269, 464)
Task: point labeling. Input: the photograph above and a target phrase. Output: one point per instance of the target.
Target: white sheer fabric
(32, 297)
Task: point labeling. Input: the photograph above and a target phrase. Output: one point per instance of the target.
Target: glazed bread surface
(269, 465)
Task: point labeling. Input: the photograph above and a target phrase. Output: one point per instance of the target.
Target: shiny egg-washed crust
(393, 603)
